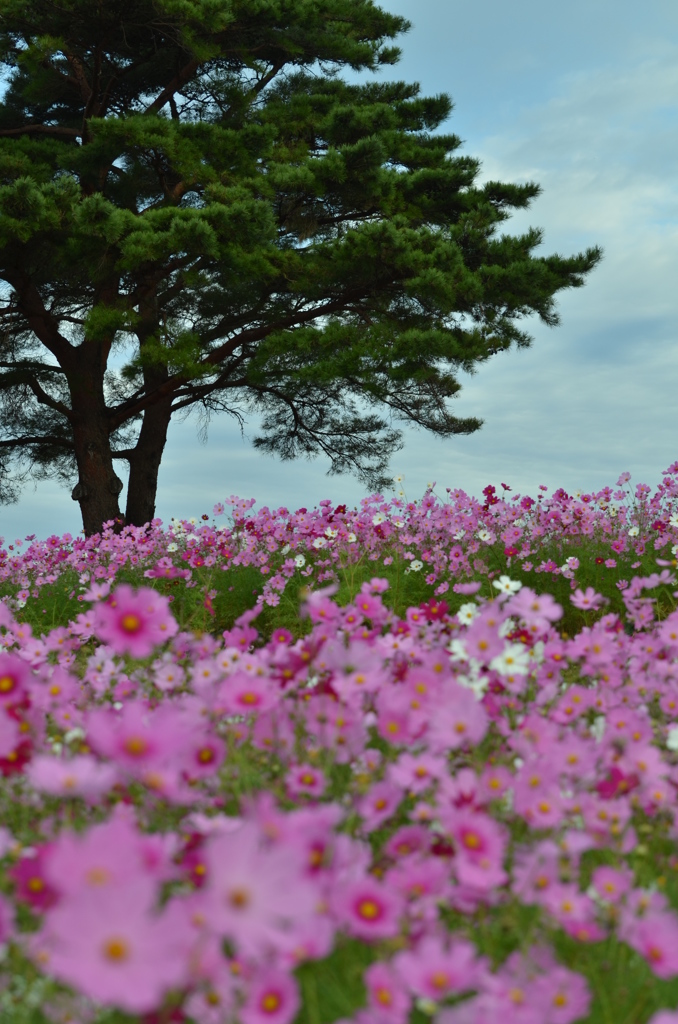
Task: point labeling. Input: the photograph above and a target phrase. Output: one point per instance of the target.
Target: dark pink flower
(367, 909)
(134, 622)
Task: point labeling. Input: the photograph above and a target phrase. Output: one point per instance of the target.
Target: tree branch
(47, 400)
(133, 407)
(174, 86)
(43, 129)
(39, 319)
(44, 439)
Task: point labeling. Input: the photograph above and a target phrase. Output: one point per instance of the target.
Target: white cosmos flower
(329, 532)
(673, 520)
(415, 565)
(467, 613)
(319, 542)
(484, 535)
(299, 561)
(398, 523)
(399, 478)
(284, 550)
(172, 547)
(672, 738)
(351, 538)
(459, 534)
(507, 585)
(513, 660)
(457, 650)
(634, 531)
(377, 519)
(476, 682)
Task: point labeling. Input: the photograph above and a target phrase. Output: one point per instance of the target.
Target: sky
(583, 99)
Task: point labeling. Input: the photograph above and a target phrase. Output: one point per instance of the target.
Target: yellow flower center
(369, 909)
(116, 949)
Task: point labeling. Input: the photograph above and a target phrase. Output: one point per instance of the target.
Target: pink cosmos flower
(79, 776)
(482, 640)
(9, 734)
(106, 856)
(255, 895)
(367, 909)
(587, 600)
(6, 920)
(387, 997)
(272, 998)
(479, 842)
(15, 675)
(138, 738)
(304, 779)
(565, 993)
(460, 720)
(416, 772)
(421, 879)
(32, 885)
(114, 949)
(537, 611)
(245, 694)
(378, 804)
(408, 840)
(134, 622)
(655, 937)
(436, 970)
(611, 884)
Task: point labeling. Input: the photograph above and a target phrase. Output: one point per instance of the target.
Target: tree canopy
(198, 210)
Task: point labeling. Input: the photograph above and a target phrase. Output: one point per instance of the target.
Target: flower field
(405, 762)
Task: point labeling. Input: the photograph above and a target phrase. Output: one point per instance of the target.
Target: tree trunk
(98, 486)
(144, 463)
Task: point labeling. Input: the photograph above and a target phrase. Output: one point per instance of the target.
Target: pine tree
(198, 210)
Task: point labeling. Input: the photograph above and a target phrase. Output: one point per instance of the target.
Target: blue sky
(582, 98)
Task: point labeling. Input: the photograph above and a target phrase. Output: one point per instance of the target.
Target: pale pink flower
(114, 949)
(79, 776)
(106, 856)
(387, 997)
(379, 803)
(587, 600)
(655, 937)
(138, 738)
(436, 969)
(255, 895)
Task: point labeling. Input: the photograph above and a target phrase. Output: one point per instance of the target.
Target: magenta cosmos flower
(367, 909)
(134, 622)
(273, 998)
